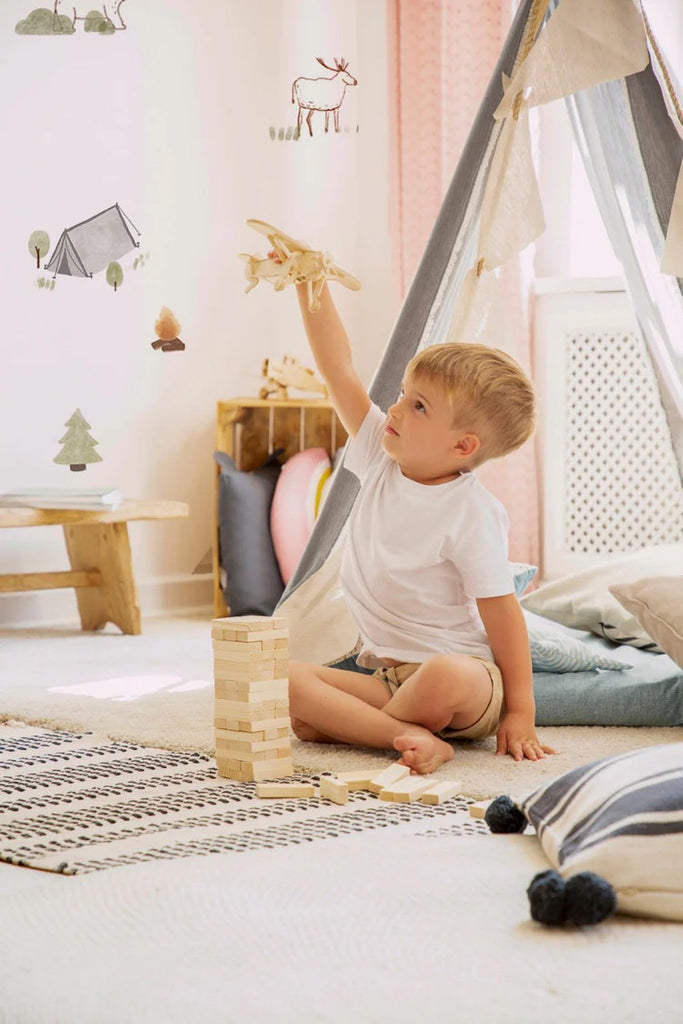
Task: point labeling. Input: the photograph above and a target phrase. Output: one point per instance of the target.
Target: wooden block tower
(250, 657)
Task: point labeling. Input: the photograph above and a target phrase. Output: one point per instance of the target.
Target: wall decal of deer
(323, 94)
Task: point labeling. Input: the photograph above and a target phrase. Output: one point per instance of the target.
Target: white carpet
(395, 925)
(156, 689)
(426, 928)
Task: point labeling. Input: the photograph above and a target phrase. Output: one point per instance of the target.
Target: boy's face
(419, 434)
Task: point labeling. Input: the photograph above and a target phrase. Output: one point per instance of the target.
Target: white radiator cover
(609, 477)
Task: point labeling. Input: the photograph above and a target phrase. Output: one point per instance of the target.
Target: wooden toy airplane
(291, 261)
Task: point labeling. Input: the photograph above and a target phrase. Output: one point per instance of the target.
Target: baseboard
(160, 596)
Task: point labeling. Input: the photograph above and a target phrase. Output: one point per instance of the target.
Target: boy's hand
(517, 736)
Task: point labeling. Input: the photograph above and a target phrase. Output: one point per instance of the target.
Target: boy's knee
(445, 674)
(295, 671)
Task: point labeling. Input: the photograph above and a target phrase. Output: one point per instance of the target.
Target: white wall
(170, 119)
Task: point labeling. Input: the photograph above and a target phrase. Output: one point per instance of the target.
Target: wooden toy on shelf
(289, 373)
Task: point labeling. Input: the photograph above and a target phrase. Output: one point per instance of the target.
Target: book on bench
(89, 498)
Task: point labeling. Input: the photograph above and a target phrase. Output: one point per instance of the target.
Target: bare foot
(423, 754)
(306, 732)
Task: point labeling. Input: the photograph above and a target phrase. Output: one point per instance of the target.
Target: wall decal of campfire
(167, 330)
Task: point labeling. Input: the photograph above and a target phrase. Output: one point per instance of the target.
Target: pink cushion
(296, 503)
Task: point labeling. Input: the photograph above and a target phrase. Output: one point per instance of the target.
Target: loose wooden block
(478, 810)
(360, 779)
(333, 789)
(439, 792)
(284, 790)
(406, 790)
(387, 777)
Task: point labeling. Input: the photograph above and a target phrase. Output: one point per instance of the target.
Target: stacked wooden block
(250, 658)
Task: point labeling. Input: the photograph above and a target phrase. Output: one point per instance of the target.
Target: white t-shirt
(417, 556)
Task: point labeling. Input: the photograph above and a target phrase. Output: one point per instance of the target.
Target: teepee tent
(90, 246)
(600, 56)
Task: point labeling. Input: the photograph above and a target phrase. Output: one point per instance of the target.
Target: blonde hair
(488, 392)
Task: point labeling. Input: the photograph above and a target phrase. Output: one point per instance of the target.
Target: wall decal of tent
(94, 244)
(45, 22)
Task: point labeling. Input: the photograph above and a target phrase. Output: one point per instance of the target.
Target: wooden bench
(99, 552)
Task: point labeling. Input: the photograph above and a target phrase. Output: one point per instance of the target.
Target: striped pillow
(557, 652)
(622, 818)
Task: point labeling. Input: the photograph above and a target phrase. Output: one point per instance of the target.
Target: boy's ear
(466, 445)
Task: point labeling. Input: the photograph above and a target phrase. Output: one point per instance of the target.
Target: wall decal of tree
(79, 446)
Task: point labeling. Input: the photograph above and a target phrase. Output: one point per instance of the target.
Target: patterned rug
(74, 803)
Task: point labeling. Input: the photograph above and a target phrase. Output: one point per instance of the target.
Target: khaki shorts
(487, 723)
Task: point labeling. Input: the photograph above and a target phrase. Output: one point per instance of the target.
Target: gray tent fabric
(425, 313)
(91, 245)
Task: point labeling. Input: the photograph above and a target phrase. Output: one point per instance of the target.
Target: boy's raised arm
(332, 353)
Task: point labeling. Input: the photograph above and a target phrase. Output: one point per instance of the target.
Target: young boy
(425, 571)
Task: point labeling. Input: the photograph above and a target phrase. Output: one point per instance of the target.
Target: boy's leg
(348, 708)
(446, 690)
(360, 684)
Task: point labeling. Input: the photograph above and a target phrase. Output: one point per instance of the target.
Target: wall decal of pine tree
(79, 446)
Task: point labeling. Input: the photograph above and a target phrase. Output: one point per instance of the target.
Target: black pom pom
(504, 816)
(584, 899)
(546, 898)
(588, 899)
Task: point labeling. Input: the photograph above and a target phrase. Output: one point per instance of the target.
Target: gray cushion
(253, 581)
(648, 693)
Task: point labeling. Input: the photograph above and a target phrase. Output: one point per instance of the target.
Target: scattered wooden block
(387, 777)
(333, 789)
(284, 790)
(439, 792)
(478, 810)
(360, 779)
(406, 790)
